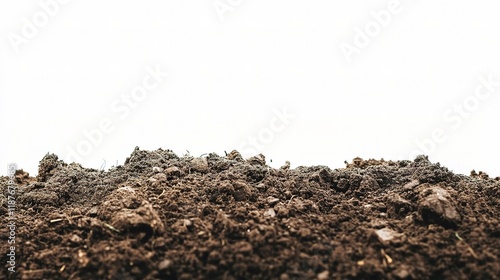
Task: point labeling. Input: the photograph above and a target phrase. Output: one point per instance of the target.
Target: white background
(231, 70)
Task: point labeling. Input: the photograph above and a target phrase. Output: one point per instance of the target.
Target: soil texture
(164, 216)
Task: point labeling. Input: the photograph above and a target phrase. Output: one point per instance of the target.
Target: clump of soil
(161, 216)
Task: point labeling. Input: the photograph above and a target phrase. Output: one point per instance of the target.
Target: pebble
(270, 212)
(436, 206)
(259, 159)
(272, 200)
(164, 265)
(173, 171)
(157, 169)
(323, 275)
(386, 234)
(187, 223)
(200, 165)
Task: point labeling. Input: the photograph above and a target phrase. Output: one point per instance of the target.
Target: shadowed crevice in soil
(161, 216)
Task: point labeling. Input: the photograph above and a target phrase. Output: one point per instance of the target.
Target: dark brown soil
(160, 216)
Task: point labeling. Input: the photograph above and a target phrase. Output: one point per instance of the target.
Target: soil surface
(162, 216)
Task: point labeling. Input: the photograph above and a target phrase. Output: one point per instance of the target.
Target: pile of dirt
(161, 216)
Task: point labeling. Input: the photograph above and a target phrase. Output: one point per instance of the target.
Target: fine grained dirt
(161, 216)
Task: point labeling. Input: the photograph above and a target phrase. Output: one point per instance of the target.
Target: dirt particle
(234, 155)
(157, 169)
(270, 213)
(410, 185)
(172, 172)
(242, 190)
(286, 166)
(48, 166)
(243, 247)
(259, 159)
(187, 223)
(186, 276)
(199, 165)
(161, 177)
(436, 206)
(402, 273)
(165, 265)
(82, 258)
(386, 234)
(75, 239)
(323, 275)
(398, 206)
(272, 200)
(284, 276)
(368, 185)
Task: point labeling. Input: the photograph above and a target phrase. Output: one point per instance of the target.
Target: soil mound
(161, 216)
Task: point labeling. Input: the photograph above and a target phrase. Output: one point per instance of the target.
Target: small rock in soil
(436, 206)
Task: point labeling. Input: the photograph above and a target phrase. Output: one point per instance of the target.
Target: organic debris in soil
(161, 216)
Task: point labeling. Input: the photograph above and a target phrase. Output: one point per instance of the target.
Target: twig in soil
(67, 218)
(160, 194)
(469, 248)
(387, 258)
(111, 227)
(161, 157)
(34, 271)
(290, 200)
(55, 221)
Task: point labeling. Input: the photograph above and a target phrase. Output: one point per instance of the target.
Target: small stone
(164, 265)
(436, 206)
(270, 213)
(323, 275)
(402, 273)
(173, 171)
(200, 165)
(93, 211)
(157, 169)
(284, 276)
(75, 239)
(187, 223)
(272, 200)
(152, 181)
(82, 258)
(386, 234)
